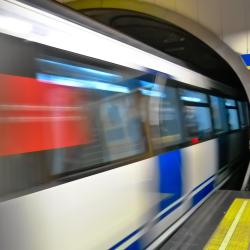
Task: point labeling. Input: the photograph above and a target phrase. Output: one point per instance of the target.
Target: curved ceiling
(169, 39)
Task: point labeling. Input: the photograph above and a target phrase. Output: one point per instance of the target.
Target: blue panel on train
(170, 177)
(135, 246)
(246, 59)
(202, 193)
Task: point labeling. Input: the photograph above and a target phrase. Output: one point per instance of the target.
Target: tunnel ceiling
(169, 39)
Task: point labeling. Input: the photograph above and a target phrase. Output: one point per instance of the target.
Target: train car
(105, 142)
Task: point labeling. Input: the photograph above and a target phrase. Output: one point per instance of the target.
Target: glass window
(170, 128)
(197, 116)
(230, 102)
(242, 113)
(232, 114)
(197, 122)
(121, 127)
(108, 112)
(233, 119)
(219, 114)
(193, 96)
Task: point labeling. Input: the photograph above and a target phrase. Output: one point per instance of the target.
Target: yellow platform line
(234, 230)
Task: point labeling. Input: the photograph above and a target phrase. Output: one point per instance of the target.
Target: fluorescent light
(190, 99)
(81, 70)
(152, 93)
(79, 83)
(146, 84)
(230, 102)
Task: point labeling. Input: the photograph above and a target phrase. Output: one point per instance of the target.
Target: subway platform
(222, 222)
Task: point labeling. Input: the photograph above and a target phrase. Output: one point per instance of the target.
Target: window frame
(197, 104)
(180, 118)
(213, 118)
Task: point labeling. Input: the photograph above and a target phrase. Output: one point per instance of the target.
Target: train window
(197, 115)
(169, 116)
(193, 96)
(79, 112)
(219, 114)
(108, 100)
(232, 114)
(197, 122)
(233, 119)
(242, 113)
(121, 127)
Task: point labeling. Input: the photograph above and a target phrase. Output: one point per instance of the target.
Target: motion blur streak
(42, 117)
(74, 82)
(36, 107)
(96, 74)
(11, 23)
(102, 142)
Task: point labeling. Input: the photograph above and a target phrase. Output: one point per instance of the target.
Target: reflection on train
(99, 150)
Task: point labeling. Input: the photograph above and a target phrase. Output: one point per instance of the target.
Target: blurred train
(105, 143)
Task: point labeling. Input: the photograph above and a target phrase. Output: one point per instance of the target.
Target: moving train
(105, 142)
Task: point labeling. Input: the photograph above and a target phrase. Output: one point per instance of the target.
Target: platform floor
(196, 232)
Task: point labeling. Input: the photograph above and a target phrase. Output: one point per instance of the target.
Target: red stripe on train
(36, 116)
